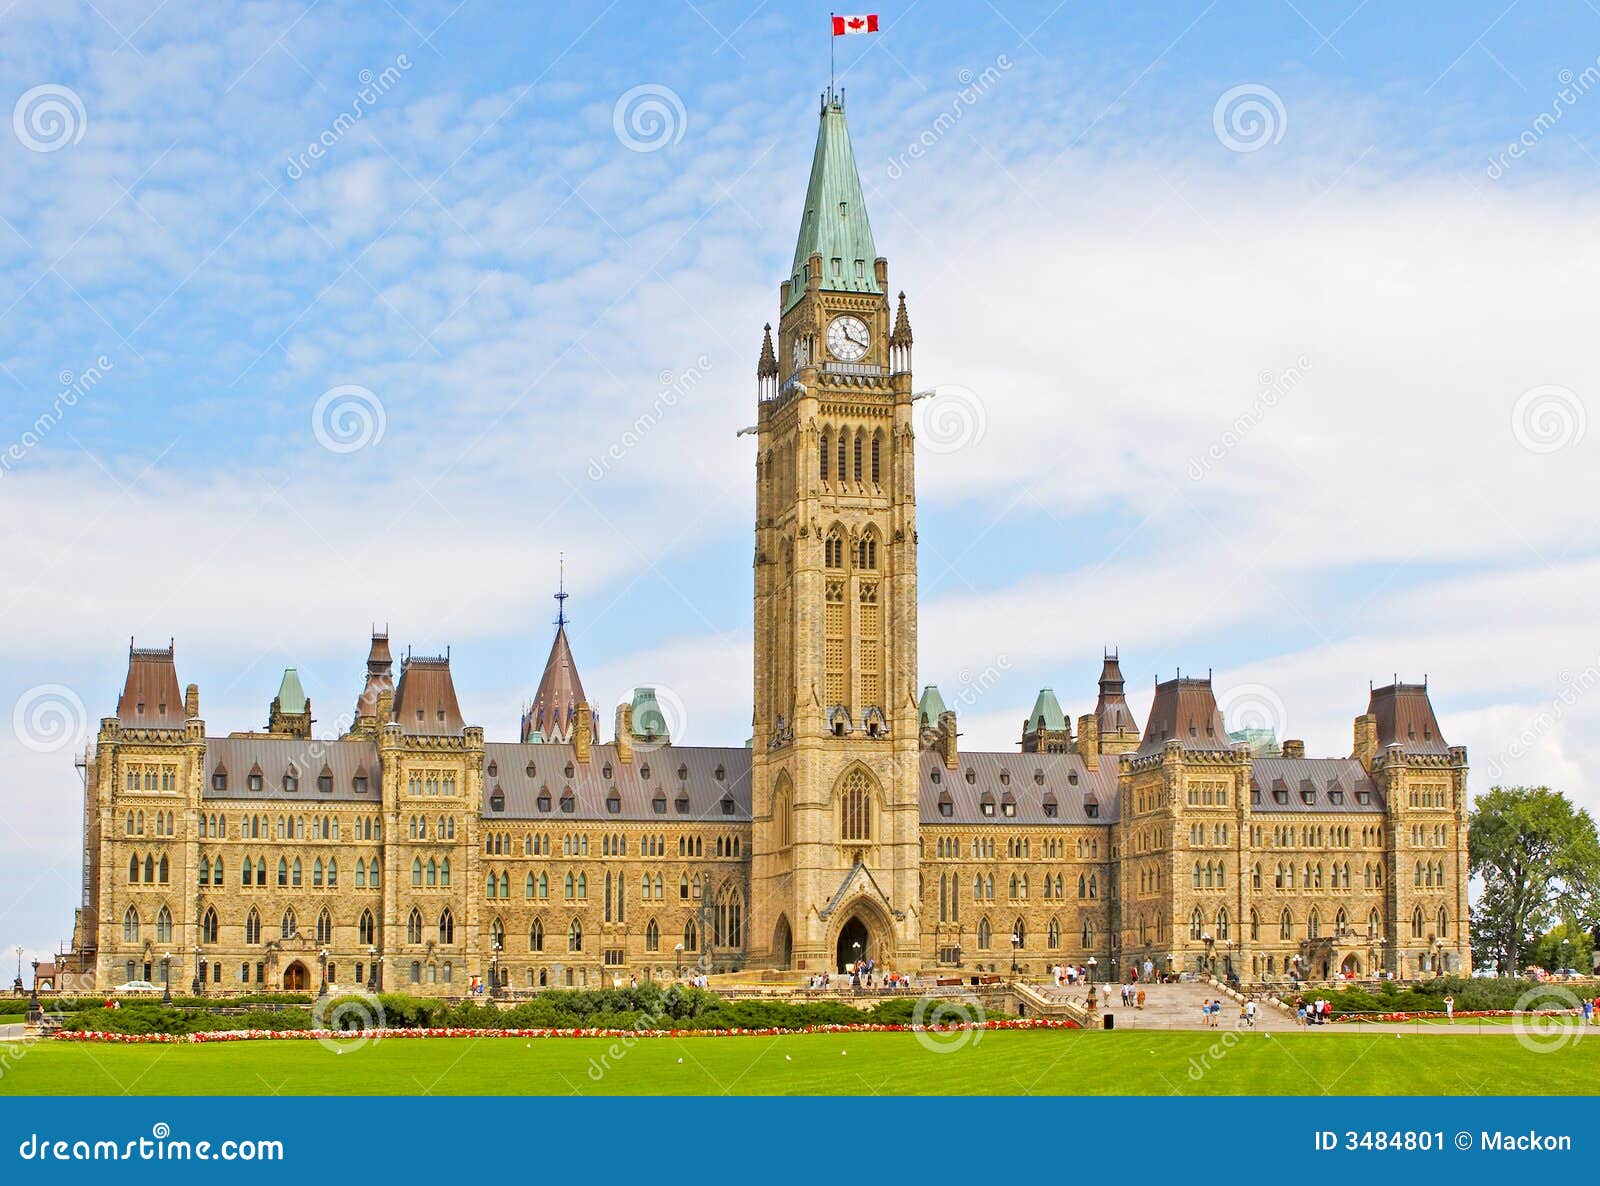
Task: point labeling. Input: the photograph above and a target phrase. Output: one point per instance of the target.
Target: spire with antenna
(561, 591)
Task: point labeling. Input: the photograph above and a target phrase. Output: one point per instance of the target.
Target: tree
(1564, 946)
(1539, 859)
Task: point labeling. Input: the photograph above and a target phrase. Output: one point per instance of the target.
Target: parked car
(136, 986)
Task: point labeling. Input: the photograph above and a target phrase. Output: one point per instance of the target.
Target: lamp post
(372, 969)
(677, 952)
(1211, 945)
(35, 1010)
(494, 972)
(19, 971)
(1092, 965)
(198, 985)
(322, 964)
(166, 977)
(380, 973)
(1016, 942)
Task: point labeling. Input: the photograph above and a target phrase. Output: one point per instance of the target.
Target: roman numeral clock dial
(848, 339)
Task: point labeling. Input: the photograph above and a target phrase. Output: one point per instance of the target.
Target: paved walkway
(1177, 1007)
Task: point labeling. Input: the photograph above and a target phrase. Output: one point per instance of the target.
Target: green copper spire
(291, 696)
(930, 708)
(835, 223)
(1046, 712)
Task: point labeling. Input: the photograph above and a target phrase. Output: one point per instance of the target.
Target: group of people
(1320, 1011)
(864, 974)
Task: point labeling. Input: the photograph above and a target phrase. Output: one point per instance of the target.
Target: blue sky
(1295, 391)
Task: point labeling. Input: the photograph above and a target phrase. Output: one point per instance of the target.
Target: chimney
(385, 706)
(191, 702)
(582, 733)
(624, 733)
(947, 738)
(1087, 746)
(1366, 740)
(1294, 749)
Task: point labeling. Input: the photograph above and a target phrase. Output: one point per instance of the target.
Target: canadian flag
(845, 25)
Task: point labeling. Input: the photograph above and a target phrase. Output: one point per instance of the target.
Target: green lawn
(1039, 1062)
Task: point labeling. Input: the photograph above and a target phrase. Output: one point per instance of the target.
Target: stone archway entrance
(855, 943)
(783, 943)
(1351, 965)
(296, 978)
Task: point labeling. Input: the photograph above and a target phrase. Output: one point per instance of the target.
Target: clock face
(848, 339)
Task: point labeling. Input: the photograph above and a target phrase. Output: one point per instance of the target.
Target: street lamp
(197, 985)
(19, 971)
(1092, 965)
(322, 961)
(166, 977)
(372, 969)
(35, 1010)
(494, 972)
(1016, 942)
(677, 952)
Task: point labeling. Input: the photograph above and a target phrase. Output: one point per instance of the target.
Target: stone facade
(412, 853)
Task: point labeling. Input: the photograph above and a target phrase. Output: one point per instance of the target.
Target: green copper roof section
(291, 696)
(835, 224)
(649, 722)
(930, 707)
(1046, 712)
(1263, 743)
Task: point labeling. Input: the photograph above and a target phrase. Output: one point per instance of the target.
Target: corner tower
(834, 771)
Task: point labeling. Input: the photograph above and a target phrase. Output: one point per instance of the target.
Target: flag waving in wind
(843, 26)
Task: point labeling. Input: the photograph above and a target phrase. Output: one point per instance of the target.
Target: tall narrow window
(823, 457)
(877, 462)
(857, 806)
(868, 641)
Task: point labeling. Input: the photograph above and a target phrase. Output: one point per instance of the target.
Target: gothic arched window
(856, 806)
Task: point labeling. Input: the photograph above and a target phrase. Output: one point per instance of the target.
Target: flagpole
(831, 40)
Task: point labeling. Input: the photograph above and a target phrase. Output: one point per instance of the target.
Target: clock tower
(834, 869)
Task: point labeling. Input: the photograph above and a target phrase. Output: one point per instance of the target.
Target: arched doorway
(1351, 965)
(783, 943)
(296, 978)
(854, 944)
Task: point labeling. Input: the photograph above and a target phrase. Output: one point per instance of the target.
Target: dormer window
(255, 780)
(1005, 778)
(529, 772)
(681, 804)
(727, 805)
(569, 769)
(1051, 809)
(605, 771)
(291, 781)
(659, 804)
(1008, 809)
(543, 801)
(720, 773)
(683, 773)
(972, 776)
(219, 778)
(494, 769)
(933, 776)
(1072, 777)
(644, 771)
(568, 803)
(614, 802)
(1038, 778)
(358, 784)
(1091, 809)
(497, 800)
(946, 808)
(1363, 797)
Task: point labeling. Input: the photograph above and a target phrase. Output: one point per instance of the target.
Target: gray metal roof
(604, 777)
(273, 756)
(1312, 785)
(1026, 780)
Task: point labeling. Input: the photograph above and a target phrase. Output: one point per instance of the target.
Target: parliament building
(412, 853)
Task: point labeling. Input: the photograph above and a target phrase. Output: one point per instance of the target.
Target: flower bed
(1460, 1014)
(1032, 1023)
